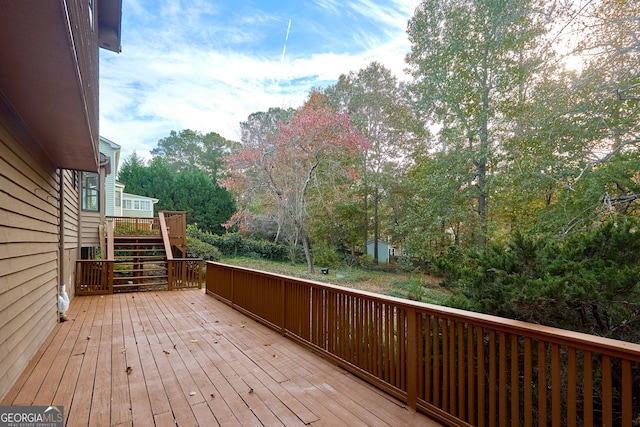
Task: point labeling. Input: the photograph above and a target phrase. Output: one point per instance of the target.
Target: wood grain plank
(219, 354)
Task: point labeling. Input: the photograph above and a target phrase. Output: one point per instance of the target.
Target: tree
(571, 161)
(188, 150)
(260, 130)
(132, 173)
(204, 201)
(436, 211)
(469, 59)
(280, 172)
(378, 107)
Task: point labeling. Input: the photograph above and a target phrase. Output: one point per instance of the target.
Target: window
(137, 205)
(118, 198)
(90, 191)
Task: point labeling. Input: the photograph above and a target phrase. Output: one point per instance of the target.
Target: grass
(384, 281)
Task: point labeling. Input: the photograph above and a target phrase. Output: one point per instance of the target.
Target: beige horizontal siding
(29, 247)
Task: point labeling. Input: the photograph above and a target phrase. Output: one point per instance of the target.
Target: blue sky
(207, 64)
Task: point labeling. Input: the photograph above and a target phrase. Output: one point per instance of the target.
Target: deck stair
(140, 262)
(141, 254)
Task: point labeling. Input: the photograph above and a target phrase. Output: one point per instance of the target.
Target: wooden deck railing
(94, 277)
(176, 227)
(97, 276)
(459, 367)
(184, 273)
(133, 226)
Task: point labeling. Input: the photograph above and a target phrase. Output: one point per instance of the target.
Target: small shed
(383, 250)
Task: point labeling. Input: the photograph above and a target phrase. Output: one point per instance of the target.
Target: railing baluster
(493, 401)
(502, 381)
(556, 387)
(481, 376)
(461, 371)
(436, 361)
(528, 383)
(627, 394)
(472, 372)
(542, 383)
(571, 387)
(446, 360)
(515, 381)
(607, 410)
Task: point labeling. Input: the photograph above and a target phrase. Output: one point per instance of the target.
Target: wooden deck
(184, 358)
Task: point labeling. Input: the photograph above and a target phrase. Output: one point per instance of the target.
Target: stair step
(137, 270)
(137, 286)
(139, 278)
(134, 258)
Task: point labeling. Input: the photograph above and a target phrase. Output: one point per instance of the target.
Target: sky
(206, 65)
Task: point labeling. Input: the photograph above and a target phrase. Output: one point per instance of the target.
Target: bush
(349, 260)
(325, 257)
(588, 283)
(234, 245)
(199, 249)
(366, 260)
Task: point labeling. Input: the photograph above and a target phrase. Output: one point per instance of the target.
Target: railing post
(232, 288)
(284, 307)
(170, 275)
(412, 358)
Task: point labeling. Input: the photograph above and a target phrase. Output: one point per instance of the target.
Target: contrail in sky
(284, 49)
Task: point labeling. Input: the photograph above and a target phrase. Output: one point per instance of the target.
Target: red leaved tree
(276, 172)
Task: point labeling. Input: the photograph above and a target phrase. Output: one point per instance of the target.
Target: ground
(385, 281)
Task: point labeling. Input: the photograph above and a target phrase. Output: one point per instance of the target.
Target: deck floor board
(185, 358)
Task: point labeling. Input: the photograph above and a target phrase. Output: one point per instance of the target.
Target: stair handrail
(165, 236)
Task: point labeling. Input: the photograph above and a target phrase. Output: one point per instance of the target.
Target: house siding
(110, 180)
(29, 251)
(71, 219)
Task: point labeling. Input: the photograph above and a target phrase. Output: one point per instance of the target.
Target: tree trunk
(307, 252)
(375, 224)
(365, 224)
(483, 210)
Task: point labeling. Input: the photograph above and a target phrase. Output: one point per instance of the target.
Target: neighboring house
(383, 250)
(119, 188)
(116, 201)
(112, 151)
(48, 134)
(137, 206)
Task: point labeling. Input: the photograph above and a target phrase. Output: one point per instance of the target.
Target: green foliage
(412, 289)
(199, 249)
(189, 150)
(191, 191)
(366, 260)
(449, 264)
(587, 283)
(123, 228)
(405, 263)
(325, 257)
(234, 245)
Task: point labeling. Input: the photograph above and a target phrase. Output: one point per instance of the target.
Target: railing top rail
(174, 212)
(594, 343)
(140, 218)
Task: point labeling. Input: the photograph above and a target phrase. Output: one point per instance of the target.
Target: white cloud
(162, 81)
